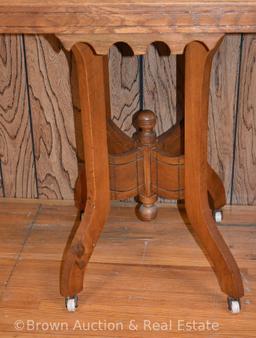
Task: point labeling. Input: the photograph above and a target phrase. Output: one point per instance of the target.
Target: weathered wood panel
(159, 91)
(124, 73)
(245, 158)
(16, 149)
(52, 118)
(222, 109)
(135, 82)
(159, 86)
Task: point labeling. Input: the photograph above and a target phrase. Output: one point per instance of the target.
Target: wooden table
(173, 165)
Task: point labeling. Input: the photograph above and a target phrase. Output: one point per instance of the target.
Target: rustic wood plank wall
(52, 118)
(38, 139)
(223, 110)
(159, 86)
(245, 155)
(17, 163)
(124, 74)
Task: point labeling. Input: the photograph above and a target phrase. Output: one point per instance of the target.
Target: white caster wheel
(218, 216)
(234, 305)
(71, 303)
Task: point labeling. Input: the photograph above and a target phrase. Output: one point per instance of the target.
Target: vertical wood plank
(124, 74)
(52, 117)
(159, 87)
(244, 190)
(222, 109)
(16, 149)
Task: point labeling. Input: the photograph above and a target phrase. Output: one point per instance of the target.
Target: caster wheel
(218, 216)
(234, 305)
(71, 303)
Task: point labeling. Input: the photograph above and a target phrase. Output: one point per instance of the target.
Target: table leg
(80, 189)
(198, 61)
(216, 190)
(93, 92)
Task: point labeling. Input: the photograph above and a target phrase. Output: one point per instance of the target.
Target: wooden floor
(140, 273)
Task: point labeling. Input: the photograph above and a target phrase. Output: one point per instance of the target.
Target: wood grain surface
(16, 148)
(245, 157)
(223, 108)
(135, 83)
(124, 74)
(155, 272)
(143, 17)
(159, 86)
(52, 118)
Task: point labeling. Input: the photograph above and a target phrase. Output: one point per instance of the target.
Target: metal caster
(234, 305)
(218, 216)
(71, 303)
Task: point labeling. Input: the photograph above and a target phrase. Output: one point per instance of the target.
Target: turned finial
(145, 123)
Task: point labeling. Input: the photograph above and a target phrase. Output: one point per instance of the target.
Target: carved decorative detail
(145, 136)
(141, 166)
(139, 42)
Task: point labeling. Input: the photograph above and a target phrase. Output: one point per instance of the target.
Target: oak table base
(172, 166)
(145, 166)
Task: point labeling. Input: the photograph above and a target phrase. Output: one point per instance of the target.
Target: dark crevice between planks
(141, 66)
(30, 113)
(23, 244)
(236, 119)
(180, 87)
(2, 192)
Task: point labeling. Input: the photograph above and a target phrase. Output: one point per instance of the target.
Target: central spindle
(145, 136)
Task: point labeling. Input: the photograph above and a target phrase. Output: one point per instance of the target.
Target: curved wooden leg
(80, 188)
(198, 62)
(216, 190)
(94, 103)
